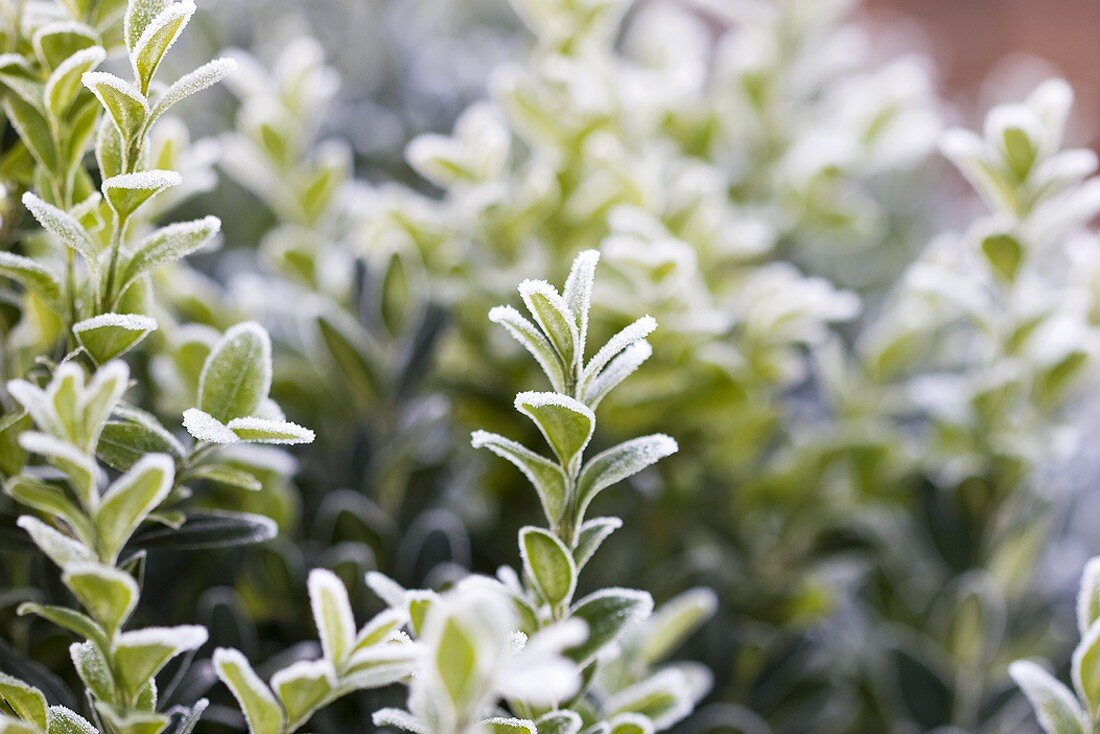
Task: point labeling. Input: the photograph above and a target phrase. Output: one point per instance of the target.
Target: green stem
(112, 267)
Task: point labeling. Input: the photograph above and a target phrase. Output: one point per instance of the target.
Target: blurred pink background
(968, 39)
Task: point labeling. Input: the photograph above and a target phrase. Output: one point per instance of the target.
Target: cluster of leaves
(841, 385)
(102, 481)
(521, 640)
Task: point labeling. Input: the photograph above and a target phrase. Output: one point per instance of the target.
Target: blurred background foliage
(883, 444)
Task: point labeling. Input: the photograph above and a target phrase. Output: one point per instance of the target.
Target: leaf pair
(71, 409)
(106, 523)
(557, 343)
(233, 394)
(374, 656)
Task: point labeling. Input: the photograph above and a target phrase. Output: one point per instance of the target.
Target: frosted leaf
(196, 81)
(533, 341)
(65, 227)
(399, 719)
(60, 548)
(144, 180)
(168, 244)
(621, 367)
(183, 637)
(640, 329)
(130, 321)
(578, 292)
(386, 588)
(205, 427)
(94, 79)
(270, 431)
(1088, 599)
(511, 723)
(63, 85)
(1055, 707)
(157, 38)
(667, 684)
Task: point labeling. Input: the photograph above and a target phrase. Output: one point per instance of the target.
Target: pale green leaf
(236, 377)
(262, 712)
(549, 564)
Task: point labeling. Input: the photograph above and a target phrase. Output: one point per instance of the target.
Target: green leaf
(559, 722)
(168, 244)
(111, 335)
(615, 346)
(1019, 151)
(534, 342)
(608, 614)
(130, 435)
(501, 725)
(1086, 671)
(64, 721)
(201, 78)
(261, 430)
(54, 43)
(332, 614)
(64, 83)
(261, 710)
(1055, 707)
(130, 499)
(229, 476)
(549, 564)
(81, 471)
(236, 377)
(27, 702)
(101, 397)
(618, 463)
(58, 547)
(34, 276)
(546, 476)
(83, 120)
(631, 723)
(69, 619)
(12, 456)
(1088, 598)
(108, 152)
(140, 655)
(351, 357)
(8, 725)
(591, 535)
(578, 293)
(674, 621)
(620, 368)
(455, 660)
(662, 699)
(302, 688)
(155, 40)
(107, 593)
(48, 499)
(210, 529)
(128, 191)
(554, 318)
(129, 721)
(66, 228)
(94, 670)
(380, 629)
(565, 423)
(125, 104)
(33, 129)
(398, 719)
(139, 14)
(1005, 255)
